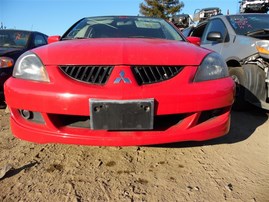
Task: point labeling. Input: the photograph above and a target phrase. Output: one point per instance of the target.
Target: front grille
(88, 74)
(154, 74)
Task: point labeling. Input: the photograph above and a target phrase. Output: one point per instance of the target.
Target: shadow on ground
(13, 171)
(243, 125)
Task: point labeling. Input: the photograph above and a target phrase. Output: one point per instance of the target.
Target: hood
(8, 50)
(121, 52)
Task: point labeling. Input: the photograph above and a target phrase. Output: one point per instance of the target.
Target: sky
(54, 17)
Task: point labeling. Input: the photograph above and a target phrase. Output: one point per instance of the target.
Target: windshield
(13, 38)
(244, 24)
(122, 27)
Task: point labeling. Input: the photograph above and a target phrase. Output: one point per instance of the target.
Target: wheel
(2, 105)
(256, 84)
(239, 77)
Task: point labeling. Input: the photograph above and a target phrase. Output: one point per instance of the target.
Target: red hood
(121, 52)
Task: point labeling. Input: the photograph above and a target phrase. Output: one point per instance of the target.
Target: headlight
(263, 47)
(212, 67)
(30, 67)
(6, 62)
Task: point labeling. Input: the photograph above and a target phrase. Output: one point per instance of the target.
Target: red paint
(62, 95)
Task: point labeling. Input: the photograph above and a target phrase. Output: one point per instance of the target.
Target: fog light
(31, 116)
(26, 114)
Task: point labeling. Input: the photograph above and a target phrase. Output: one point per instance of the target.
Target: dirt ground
(232, 168)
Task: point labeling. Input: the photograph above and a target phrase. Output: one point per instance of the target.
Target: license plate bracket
(121, 114)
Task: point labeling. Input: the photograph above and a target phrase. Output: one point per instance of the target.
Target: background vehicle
(205, 13)
(13, 43)
(182, 21)
(254, 6)
(243, 41)
(120, 80)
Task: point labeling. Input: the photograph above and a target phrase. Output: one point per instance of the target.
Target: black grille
(161, 123)
(154, 74)
(88, 74)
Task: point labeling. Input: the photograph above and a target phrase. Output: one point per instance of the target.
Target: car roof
(239, 14)
(21, 30)
(119, 16)
(210, 8)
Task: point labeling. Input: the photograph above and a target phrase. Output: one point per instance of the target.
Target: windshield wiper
(259, 31)
(75, 38)
(12, 46)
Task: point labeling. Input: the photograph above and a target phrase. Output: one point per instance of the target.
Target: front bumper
(183, 110)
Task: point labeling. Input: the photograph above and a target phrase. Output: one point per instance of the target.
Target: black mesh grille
(88, 74)
(154, 74)
(161, 122)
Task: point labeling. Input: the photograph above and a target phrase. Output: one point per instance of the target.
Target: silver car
(243, 41)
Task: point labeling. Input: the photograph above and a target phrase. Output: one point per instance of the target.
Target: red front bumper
(185, 131)
(202, 110)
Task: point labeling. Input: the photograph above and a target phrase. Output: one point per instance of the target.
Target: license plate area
(121, 114)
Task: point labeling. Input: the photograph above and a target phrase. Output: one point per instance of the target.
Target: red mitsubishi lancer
(118, 81)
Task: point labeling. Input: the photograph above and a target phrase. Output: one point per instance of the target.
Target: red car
(119, 81)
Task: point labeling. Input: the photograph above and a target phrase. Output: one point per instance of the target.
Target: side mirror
(215, 36)
(52, 39)
(194, 40)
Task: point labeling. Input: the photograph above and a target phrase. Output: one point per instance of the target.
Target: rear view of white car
(254, 6)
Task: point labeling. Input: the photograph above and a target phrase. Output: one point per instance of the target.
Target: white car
(205, 13)
(251, 6)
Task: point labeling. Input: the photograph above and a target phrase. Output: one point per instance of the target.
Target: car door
(215, 35)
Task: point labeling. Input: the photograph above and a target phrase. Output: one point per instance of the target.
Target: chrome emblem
(122, 78)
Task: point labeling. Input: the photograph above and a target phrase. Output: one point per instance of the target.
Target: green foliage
(161, 8)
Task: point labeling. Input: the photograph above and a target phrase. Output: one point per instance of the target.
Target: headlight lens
(30, 67)
(263, 47)
(212, 67)
(6, 62)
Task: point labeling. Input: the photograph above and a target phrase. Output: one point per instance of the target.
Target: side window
(39, 40)
(198, 31)
(215, 25)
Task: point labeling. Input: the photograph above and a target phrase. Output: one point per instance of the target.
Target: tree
(161, 8)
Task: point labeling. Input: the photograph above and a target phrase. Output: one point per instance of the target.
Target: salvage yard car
(13, 43)
(243, 41)
(182, 21)
(202, 14)
(120, 80)
(254, 6)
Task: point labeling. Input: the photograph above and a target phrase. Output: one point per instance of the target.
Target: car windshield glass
(244, 24)
(13, 38)
(122, 27)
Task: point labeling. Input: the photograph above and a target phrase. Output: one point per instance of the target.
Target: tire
(239, 77)
(256, 86)
(2, 105)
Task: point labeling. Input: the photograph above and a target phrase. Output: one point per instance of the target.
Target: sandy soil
(231, 168)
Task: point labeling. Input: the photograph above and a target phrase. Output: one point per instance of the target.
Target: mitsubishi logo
(122, 78)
